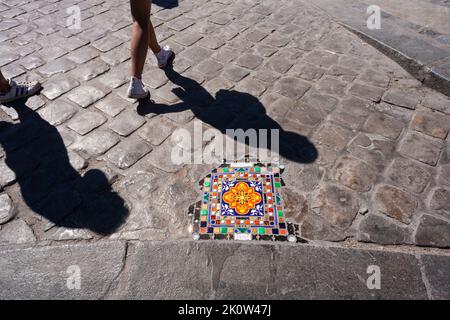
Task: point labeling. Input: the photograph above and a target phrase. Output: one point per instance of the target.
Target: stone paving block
(74, 43)
(83, 54)
(115, 77)
(154, 78)
(180, 23)
(292, 87)
(317, 100)
(355, 174)
(332, 86)
(305, 114)
(433, 231)
(126, 123)
(94, 33)
(333, 136)
(32, 62)
(220, 18)
(169, 93)
(96, 143)
(384, 125)
(181, 116)
(402, 98)
(57, 112)
(316, 227)
(374, 78)
(61, 65)
(180, 65)
(251, 86)
(167, 15)
(296, 207)
(356, 106)
(431, 123)
(86, 95)
(367, 92)
(444, 174)
(107, 43)
(116, 56)
(266, 75)
(255, 35)
(204, 27)
(437, 101)
(225, 54)
(196, 54)
(209, 68)
(7, 58)
(16, 232)
(7, 176)
(85, 122)
(348, 116)
(336, 204)
(276, 40)
(249, 61)
(47, 269)
(90, 70)
(58, 85)
(13, 71)
(76, 161)
(212, 42)
(343, 72)
(440, 199)
(234, 73)
(307, 72)
(379, 229)
(343, 281)
(186, 38)
(265, 50)
(160, 157)
(112, 105)
(397, 112)
(438, 276)
(128, 152)
(396, 203)
(7, 208)
(421, 148)
(51, 53)
(63, 234)
(409, 174)
(322, 59)
(216, 84)
(279, 65)
(157, 130)
(280, 107)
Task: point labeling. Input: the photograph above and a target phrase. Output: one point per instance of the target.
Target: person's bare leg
(4, 84)
(163, 55)
(153, 42)
(140, 10)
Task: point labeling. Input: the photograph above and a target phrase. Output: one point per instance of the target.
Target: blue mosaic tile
(242, 201)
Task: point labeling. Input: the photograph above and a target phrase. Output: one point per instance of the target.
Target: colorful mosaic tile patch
(242, 201)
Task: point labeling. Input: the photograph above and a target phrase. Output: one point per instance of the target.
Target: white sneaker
(137, 90)
(19, 91)
(163, 56)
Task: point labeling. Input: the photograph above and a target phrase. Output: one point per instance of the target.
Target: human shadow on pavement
(231, 109)
(49, 185)
(166, 4)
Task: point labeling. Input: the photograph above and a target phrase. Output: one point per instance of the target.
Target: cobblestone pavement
(82, 162)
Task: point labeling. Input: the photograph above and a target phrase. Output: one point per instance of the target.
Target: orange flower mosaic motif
(242, 198)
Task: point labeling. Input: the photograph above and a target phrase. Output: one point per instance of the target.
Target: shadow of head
(166, 4)
(36, 154)
(230, 110)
